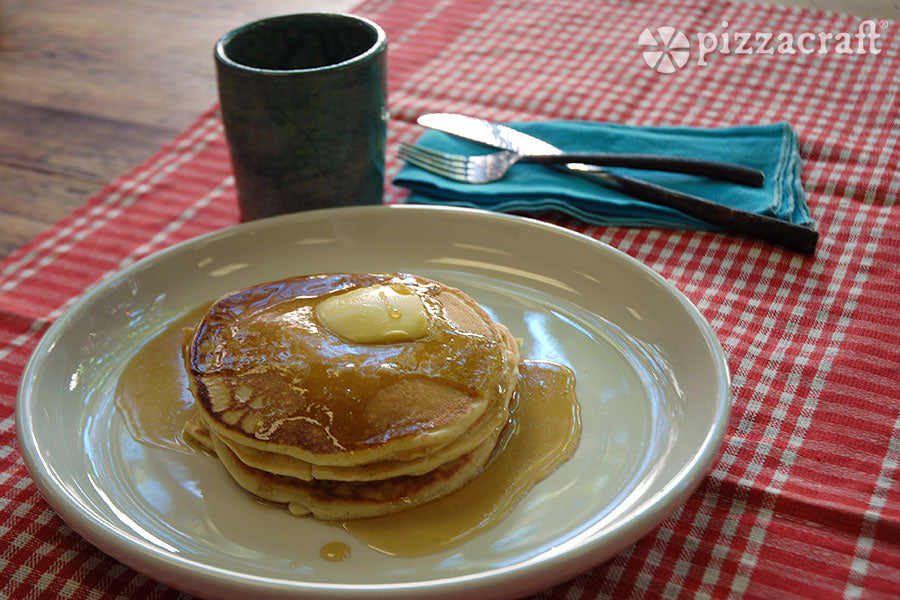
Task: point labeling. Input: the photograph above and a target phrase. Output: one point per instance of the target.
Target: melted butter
(334, 551)
(152, 394)
(375, 314)
(544, 431)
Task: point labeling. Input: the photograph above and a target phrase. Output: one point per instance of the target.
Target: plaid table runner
(804, 500)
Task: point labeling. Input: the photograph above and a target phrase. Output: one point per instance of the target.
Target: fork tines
(440, 163)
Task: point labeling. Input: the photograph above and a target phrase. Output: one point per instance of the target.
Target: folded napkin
(534, 189)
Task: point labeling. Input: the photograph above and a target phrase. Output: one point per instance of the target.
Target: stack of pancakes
(303, 415)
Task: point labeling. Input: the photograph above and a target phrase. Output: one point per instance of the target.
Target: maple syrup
(152, 394)
(335, 551)
(543, 432)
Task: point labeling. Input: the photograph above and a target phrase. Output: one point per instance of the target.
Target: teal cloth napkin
(536, 189)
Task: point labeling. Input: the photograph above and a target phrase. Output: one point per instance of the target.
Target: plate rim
(171, 570)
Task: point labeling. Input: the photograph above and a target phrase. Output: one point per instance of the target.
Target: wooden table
(90, 89)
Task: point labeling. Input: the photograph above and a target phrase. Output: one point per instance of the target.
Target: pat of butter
(375, 314)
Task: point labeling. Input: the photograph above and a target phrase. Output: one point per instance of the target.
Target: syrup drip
(334, 551)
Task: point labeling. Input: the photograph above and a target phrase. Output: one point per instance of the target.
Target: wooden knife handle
(714, 169)
(795, 237)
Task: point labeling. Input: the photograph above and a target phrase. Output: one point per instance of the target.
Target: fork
(485, 168)
(784, 233)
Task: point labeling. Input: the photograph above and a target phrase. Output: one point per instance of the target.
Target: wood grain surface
(89, 89)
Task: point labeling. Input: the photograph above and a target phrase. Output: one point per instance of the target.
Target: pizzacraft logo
(667, 49)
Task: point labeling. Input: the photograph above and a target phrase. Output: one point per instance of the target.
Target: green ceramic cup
(304, 103)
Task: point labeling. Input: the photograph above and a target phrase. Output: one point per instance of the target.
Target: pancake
(282, 464)
(341, 500)
(303, 391)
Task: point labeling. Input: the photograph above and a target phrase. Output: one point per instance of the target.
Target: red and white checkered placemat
(804, 500)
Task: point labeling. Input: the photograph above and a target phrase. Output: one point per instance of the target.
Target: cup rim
(378, 45)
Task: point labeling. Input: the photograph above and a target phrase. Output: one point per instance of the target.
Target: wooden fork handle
(714, 169)
(795, 237)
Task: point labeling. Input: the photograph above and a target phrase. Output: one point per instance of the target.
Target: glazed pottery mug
(304, 103)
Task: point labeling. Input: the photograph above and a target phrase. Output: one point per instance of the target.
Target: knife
(795, 237)
(534, 150)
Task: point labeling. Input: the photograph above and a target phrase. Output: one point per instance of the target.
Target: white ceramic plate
(652, 382)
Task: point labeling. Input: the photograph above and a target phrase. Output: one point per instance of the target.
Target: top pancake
(269, 375)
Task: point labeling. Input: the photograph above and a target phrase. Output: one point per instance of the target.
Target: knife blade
(488, 133)
(796, 237)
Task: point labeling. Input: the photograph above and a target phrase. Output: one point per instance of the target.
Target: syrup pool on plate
(152, 393)
(543, 432)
